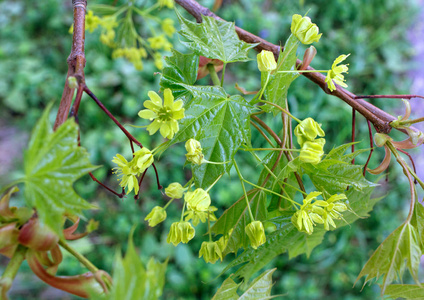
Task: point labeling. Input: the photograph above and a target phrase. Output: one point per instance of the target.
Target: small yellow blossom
(175, 190)
(308, 130)
(159, 42)
(158, 60)
(167, 3)
(266, 61)
(335, 74)
(180, 232)
(332, 209)
(156, 216)
(199, 200)
(108, 37)
(312, 152)
(194, 152)
(256, 233)
(308, 214)
(165, 114)
(127, 172)
(143, 159)
(305, 31)
(133, 55)
(210, 251)
(91, 21)
(200, 216)
(168, 27)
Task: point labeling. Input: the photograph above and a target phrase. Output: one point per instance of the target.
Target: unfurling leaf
(53, 162)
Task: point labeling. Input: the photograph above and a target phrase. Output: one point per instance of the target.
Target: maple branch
(76, 61)
(379, 118)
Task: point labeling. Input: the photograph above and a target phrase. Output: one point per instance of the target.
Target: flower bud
(202, 71)
(256, 233)
(380, 139)
(175, 190)
(199, 200)
(305, 31)
(72, 82)
(180, 232)
(156, 216)
(37, 236)
(210, 251)
(308, 57)
(194, 151)
(308, 130)
(312, 152)
(266, 61)
(8, 238)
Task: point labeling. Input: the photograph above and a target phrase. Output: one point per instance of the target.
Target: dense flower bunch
(312, 148)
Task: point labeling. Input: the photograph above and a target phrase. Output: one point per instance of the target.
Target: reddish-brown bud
(308, 57)
(203, 66)
(8, 239)
(37, 236)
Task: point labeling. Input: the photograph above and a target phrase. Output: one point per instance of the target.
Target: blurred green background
(34, 46)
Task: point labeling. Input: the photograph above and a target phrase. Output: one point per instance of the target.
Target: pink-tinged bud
(380, 139)
(69, 232)
(37, 236)
(50, 259)
(308, 57)
(5, 212)
(384, 164)
(203, 66)
(78, 285)
(8, 239)
(409, 143)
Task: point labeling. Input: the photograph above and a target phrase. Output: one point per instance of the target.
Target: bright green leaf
(405, 291)
(219, 124)
(214, 39)
(260, 288)
(227, 291)
(182, 68)
(237, 217)
(399, 249)
(131, 280)
(53, 162)
(279, 83)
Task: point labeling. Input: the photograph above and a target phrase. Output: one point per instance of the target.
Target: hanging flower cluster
(315, 211)
(312, 148)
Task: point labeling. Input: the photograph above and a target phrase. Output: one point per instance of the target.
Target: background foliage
(32, 72)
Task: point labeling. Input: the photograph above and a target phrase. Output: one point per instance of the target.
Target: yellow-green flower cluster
(165, 114)
(168, 27)
(167, 3)
(159, 42)
(256, 233)
(91, 21)
(305, 31)
(133, 55)
(156, 216)
(128, 171)
(194, 152)
(314, 212)
(266, 61)
(312, 148)
(335, 74)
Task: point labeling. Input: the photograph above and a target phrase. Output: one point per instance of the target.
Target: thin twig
(371, 147)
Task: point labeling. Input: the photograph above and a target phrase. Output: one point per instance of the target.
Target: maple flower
(168, 27)
(91, 21)
(308, 130)
(175, 190)
(332, 209)
(159, 42)
(312, 152)
(256, 233)
(180, 232)
(200, 216)
(143, 159)
(305, 31)
(194, 152)
(210, 251)
(126, 172)
(199, 200)
(167, 3)
(165, 114)
(266, 61)
(156, 216)
(308, 214)
(133, 55)
(335, 74)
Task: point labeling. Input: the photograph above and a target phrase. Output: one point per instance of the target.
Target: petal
(168, 98)
(178, 114)
(178, 105)
(147, 114)
(150, 105)
(156, 99)
(165, 129)
(154, 126)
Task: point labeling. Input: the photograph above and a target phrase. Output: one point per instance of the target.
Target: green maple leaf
(214, 39)
(405, 291)
(227, 290)
(52, 163)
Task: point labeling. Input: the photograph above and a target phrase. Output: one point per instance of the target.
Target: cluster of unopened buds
(312, 148)
(21, 230)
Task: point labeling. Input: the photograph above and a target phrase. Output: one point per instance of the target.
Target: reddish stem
(388, 96)
(353, 132)
(412, 161)
(371, 146)
(121, 195)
